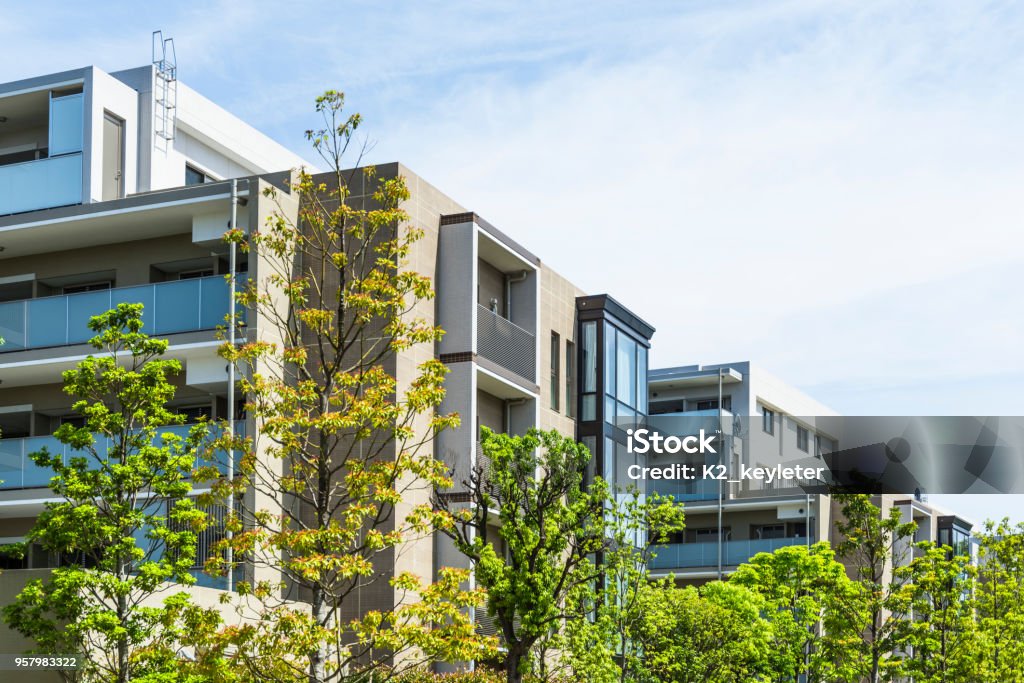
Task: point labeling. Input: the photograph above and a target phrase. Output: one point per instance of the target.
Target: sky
(831, 190)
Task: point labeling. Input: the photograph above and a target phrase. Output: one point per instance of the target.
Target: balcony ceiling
(29, 110)
(137, 217)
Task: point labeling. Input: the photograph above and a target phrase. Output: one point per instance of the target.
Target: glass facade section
(625, 375)
(609, 359)
(625, 370)
(588, 389)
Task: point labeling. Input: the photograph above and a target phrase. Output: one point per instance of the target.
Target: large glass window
(625, 376)
(609, 359)
(589, 400)
(641, 378)
(625, 366)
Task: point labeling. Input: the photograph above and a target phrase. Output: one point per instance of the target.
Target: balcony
(503, 342)
(41, 184)
(17, 471)
(168, 308)
(693, 555)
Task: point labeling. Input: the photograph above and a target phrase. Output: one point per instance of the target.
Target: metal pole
(807, 520)
(721, 457)
(231, 375)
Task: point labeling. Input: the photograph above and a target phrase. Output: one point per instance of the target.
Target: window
(710, 535)
(570, 379)
(766, 531)
(193, 176)
(193, 414)
(556, 374)
(768, 421)
(86, 287)
(712, 403)
(817, 446)
(801, 438)
(192, 274)
(589, 401)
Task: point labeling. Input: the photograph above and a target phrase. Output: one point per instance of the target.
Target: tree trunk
(512, 662)
(122, 642)
(318, 658)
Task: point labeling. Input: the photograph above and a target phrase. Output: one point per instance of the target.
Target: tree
(540, 563)
(604, 645)
(712, 635)
(804, 591)
(999, 590)
(873, 545)
(124, 525)
(329, 483)
(939, 635)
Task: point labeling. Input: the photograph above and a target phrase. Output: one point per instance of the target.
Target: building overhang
(140, 216)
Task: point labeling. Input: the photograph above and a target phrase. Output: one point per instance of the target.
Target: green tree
(873, 545)
(999, 591)
(804, 591)
(938, 636)
(329, 483)
(603, 646)
(124, 523)
(716, 634)
(540, 562)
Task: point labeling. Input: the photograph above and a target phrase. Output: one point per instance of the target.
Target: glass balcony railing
(41, 184)
(693, 555)
(502, 341)
(168, 308)
(18, 471)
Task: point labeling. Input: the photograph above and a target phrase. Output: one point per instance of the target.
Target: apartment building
(115, 187)
(764, 422)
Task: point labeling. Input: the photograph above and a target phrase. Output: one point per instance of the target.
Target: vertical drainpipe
(721, 440)
(231, 374)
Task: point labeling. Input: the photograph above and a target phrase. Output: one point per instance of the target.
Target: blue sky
(829, 189)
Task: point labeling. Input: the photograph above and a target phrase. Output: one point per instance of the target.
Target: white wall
(103, 92)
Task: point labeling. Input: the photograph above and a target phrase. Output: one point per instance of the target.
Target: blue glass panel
(10, 463)
(12, 325)
(214, 302)
(66, 124)
(177, 307)
(136, 295)
(48, 321)
(82, 307)
(35, 475)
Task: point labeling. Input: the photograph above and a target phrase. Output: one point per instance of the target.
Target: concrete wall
(557, 314)
(130, 260)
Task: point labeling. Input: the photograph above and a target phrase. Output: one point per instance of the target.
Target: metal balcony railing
(502, 341)
(18, 471)
(692, 555)
(168, 308)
